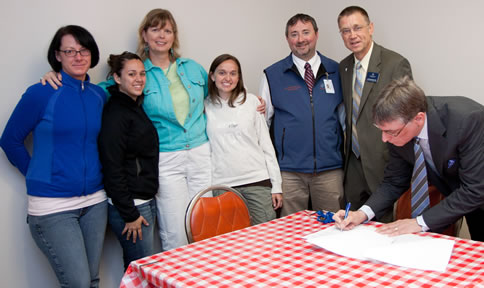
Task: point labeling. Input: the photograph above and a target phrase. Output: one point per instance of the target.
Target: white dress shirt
(364, 67)
(315, 63)
(265, 93)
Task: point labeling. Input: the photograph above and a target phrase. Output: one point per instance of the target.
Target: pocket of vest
(282, 143)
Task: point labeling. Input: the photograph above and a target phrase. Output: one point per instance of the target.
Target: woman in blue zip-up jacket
(67, 210)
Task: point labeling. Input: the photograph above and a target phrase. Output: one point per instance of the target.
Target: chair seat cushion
(213, 216)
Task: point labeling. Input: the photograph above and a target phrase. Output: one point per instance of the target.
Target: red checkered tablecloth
(273, 254)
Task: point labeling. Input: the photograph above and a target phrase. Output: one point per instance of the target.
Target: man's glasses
(393, 133)
(347, 31)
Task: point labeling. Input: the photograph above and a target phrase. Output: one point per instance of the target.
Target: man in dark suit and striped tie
(433, 140)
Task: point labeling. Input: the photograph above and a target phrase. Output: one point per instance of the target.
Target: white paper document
(364, 243)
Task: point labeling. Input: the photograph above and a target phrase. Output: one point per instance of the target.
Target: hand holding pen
(347, 220)
(348, 205)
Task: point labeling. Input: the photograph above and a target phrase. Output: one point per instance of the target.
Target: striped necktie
(309, 77)
(358, 89)
(420, 188)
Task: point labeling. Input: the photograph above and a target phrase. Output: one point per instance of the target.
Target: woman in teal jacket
(174, 93)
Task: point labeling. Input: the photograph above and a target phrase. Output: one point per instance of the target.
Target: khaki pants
(325, 189)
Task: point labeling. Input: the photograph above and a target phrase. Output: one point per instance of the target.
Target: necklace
(167, 70)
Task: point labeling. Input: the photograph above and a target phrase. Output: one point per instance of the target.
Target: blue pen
(348, 205)
(347, 210)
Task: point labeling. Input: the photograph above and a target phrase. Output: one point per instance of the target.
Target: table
(273, 254)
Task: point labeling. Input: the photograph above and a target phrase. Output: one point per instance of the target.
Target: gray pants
(259, 202)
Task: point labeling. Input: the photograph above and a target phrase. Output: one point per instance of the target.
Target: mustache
(303, 43)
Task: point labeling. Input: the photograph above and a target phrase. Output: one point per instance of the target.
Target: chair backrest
(211, 216)
(403, 209)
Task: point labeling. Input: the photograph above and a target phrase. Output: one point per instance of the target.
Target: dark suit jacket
(456, 140)
(373, 152)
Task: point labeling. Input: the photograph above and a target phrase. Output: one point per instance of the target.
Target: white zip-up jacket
(242, 151)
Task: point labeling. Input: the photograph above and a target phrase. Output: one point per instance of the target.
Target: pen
(348, 205)
(347, 210)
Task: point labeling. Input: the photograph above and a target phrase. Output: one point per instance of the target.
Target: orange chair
(210, 216)
(403, 209)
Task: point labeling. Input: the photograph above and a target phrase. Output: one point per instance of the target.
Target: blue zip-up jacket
(307, 132)
(158, 105)
(65, 124)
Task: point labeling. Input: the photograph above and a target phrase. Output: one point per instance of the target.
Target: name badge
(372, 77)
(328, 86)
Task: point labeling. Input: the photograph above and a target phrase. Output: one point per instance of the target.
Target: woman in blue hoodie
(67, 208)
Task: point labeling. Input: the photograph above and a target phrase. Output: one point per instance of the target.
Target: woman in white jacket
(242, 153)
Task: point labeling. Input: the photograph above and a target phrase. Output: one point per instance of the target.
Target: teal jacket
(158, 105)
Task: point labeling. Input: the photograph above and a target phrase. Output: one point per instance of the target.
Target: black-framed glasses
(73, 53)
(356, 29)
(393, 133)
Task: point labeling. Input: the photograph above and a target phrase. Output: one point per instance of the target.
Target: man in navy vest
(303, 96)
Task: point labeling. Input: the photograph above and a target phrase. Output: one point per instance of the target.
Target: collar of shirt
(365, 61)
(424, 133)
(315, 62)
(149, 65)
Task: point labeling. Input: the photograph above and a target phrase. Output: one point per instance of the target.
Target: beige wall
(441, 39)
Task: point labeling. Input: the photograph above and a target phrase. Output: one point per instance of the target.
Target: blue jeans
(72, 241)
(142, 248)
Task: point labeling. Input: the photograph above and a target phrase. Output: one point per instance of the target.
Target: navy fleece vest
(307, 133)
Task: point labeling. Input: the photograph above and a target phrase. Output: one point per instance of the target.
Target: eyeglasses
(356, 29)
(393, 133)
(73, 53)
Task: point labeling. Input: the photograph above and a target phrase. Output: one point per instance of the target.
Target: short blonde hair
(155, 18)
